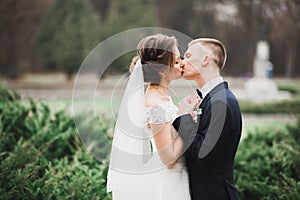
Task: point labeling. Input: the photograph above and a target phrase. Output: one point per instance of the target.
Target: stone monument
(261, 87)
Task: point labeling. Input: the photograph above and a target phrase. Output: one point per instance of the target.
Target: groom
(211, 137)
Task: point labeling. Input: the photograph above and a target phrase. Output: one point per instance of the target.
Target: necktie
(199, 93)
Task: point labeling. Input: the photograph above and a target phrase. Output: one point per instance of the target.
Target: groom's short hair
(217, 48)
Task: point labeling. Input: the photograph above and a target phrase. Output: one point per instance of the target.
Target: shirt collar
(207, 87)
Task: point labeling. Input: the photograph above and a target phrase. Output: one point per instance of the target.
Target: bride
(146, 161)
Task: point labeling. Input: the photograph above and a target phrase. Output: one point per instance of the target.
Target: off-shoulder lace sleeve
(157, 115)
(161, 113)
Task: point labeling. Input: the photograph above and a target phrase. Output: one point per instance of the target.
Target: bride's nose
(182, 64)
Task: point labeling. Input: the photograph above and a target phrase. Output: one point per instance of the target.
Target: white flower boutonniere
(196, 114)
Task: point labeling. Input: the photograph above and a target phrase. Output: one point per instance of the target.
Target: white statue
(262, 66)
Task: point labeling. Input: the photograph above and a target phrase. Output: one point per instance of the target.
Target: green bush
(267, 165)
(294, 90)
(284, 107)
(7, 94)
(42, 157)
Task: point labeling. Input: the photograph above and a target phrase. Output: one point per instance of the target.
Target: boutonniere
(196, 113)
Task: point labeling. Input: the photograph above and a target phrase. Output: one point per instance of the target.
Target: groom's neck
(206, 78)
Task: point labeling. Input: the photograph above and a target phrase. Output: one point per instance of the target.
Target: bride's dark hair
(156, 53)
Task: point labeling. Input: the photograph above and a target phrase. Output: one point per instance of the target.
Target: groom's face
(193, 59)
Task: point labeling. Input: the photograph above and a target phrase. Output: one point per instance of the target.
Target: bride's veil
(131, 144)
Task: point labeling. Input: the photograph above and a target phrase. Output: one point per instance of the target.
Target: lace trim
(161, 113)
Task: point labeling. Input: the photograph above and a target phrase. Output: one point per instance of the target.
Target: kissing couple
(161, 151)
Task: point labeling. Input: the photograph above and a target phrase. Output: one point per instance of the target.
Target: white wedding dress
(136, 171)
(160, 183)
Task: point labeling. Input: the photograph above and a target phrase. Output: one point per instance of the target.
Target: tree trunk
(9, 46)
(290, 59)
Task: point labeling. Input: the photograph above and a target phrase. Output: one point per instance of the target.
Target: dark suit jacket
(211, 144)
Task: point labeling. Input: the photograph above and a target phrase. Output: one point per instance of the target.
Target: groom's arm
(200, 141)
(187, 130)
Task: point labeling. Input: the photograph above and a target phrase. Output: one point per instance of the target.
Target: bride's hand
(188, 104)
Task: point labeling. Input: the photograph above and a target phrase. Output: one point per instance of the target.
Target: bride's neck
(162, 89)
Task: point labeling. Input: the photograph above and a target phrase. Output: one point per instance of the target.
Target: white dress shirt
(207, 87)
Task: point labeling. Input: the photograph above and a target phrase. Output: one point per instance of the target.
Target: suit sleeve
(186, 128)
(200, 140)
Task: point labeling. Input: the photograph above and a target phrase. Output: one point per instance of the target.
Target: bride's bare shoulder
(152, 99)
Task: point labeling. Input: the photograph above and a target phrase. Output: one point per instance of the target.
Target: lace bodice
(161, 113)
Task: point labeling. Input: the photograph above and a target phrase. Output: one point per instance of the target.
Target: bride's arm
(169, 149)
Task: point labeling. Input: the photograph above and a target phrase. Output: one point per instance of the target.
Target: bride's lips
(182, 71)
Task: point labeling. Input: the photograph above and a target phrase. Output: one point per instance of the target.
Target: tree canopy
(67, 34)
(70, 29)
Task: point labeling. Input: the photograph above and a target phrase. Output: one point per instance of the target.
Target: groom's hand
(188, 104)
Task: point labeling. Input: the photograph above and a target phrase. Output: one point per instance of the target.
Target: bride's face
(176, 71)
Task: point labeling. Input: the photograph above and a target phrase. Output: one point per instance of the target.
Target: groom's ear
(206, 60)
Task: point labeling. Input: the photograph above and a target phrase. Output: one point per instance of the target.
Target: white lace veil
(131, 144)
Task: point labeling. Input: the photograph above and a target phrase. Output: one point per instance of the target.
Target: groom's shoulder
(223, 97)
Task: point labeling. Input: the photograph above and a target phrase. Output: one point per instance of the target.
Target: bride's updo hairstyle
(156, 53)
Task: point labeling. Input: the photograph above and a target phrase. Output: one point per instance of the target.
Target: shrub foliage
(267, 165)
(42, 157)
(291, 106)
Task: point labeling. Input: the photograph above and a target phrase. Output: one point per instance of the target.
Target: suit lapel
(221, 86)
